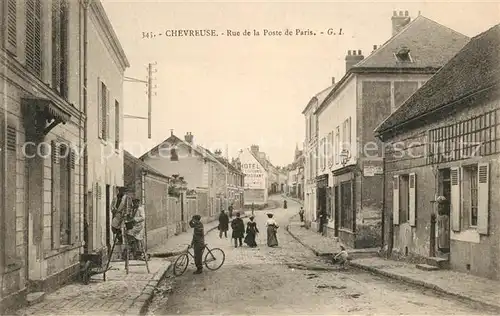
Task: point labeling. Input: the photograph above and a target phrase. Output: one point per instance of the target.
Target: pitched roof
(174, 139)
(258, 160)
(475, 68)
(431, 45)
(148, 168)
(320, 97)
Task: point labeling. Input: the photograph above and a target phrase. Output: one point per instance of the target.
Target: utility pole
(149, 92)
(227, 170)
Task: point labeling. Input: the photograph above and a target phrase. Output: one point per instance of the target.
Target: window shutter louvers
(483, 198)
(73, 174)
(11, 195)
(456, 201)
(56, 38)
(12, 26)
(108, 110)
(395, 200)
(56, 187)
(34, 37)
(99, 108)
(412, 197)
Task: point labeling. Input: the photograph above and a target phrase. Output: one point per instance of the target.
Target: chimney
(254, 149)
(399, 21)
(188, 137)
(374, 48)
(333, 80)
(218, 152)
(352, 59)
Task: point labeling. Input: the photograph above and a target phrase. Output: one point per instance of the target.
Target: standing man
(230, 209)
(198, 242)
(238, 230)
(121, 206)
(223, 223)
(301, 213)
(322, 219)
(135, 229)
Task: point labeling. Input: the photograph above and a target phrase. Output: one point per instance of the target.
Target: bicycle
(212, 255)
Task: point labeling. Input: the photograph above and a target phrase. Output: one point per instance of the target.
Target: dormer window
(403, 55)
(173, 155)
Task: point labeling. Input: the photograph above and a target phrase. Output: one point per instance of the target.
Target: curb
(405, 279)
(141, 303)
(422, 284)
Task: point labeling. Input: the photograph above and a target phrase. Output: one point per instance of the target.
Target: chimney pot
(374, 47)
(394, 13)
(400, 13)
(333, 80)
(348, 52)
(406, 13)
(354, 53)
(359, 52)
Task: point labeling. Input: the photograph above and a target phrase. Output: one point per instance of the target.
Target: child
(301, 213)
(342, 257)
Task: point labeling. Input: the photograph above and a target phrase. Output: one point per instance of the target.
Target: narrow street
(259, 281)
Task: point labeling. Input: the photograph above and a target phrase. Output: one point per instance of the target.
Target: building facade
(256, 179)
(350, 157)
(42, 139)
(451, 155)
(230, 182)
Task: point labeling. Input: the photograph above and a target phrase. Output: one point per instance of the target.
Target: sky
(235, 91)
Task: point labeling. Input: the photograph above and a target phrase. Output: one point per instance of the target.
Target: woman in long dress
(272, 228)
(252, 232)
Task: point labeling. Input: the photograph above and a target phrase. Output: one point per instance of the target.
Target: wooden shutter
(99, 109)
(412, 198)
(12, 26)
(349, 140)
(11, 196)
(483, 198)
(72, 201)
(34, 37)
(56, 38)
(117, 125)
(395, 200)
(56, 190)
(108, 111)
(455, 198)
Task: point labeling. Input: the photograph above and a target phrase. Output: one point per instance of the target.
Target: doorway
(443, 216)
(108, 217)
(336, 210)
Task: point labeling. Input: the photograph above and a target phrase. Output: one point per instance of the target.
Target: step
(35, 297)
(426, 267)
(438, 262)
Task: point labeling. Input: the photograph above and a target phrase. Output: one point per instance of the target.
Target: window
(404, 198)
(470, 196)
(117, 125)
(325, 145)
(11, 23)
(330, 149)
(60, 47)
(34, 37)
(337, 145)
(346, 210)
(403, 55)
(103, 110)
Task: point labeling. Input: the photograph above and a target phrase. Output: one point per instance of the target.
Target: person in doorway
(252, 232)
(272, 229)
(198, 242)
(223, 224)
(121, 206)
(323, 218)
(135, 229)
(238, 230)
(301, 213)
(230, 210)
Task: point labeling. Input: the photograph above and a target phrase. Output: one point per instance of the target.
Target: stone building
(42, 136)
(350, 157)
(445, 141)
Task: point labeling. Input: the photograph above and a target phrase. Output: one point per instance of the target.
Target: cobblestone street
(261, 281)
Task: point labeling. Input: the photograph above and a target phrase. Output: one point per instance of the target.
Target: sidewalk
(460, 285)
(120, 294)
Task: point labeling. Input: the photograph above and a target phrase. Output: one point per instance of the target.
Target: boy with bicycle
(198, 242)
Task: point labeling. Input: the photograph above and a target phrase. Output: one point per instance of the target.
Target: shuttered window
(11, 23)
(103, 110)
(483, 198)
(395, 200)
(117, 125)
(11, 195)
(34, 37)
(56, 194)
(455, 198)
(60, 46)
(413, 199)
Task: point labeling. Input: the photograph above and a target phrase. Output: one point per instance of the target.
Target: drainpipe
(86, 5)
(383, 205)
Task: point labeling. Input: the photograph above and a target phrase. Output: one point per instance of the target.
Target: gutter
(86, 5)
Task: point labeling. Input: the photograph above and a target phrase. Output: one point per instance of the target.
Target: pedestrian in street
(135, 229)
(301, 213)
(252, 232)
(223, 224)
(230, 210)
(272, 229)
(238, 230)
(323, 218)
(198, 242)
(121, 206)
(253, 208)
(284, 204)
(342, 258)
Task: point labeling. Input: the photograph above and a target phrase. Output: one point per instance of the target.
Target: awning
(48, 108)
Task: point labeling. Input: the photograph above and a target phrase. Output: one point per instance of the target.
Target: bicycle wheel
(181, 264)
(214, 259)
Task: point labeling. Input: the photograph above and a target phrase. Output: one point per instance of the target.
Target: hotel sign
(254, 177)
